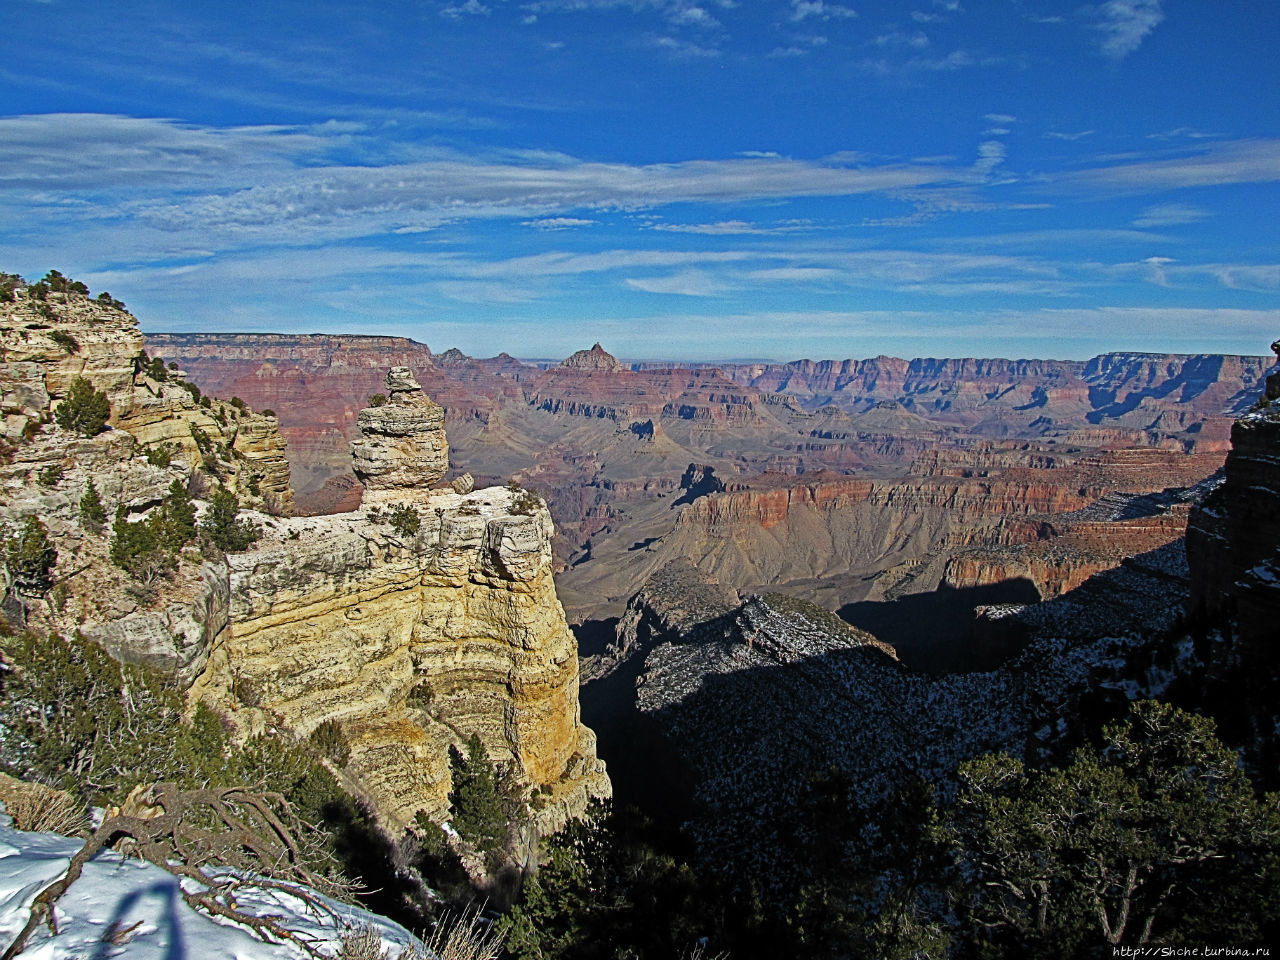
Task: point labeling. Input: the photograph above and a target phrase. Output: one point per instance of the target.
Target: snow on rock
(130, 908)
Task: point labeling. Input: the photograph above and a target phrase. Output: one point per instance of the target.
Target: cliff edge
(414, 635)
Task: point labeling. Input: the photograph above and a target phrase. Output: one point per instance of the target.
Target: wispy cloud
(1070, 137)
(687, 283)
(273, 183)
(1169, 214)
(471, 8)
(821, 10)
(1258, 277)
(727, 228)
(101, 151)
(675, 12)
(684, 49)
(559, 223)
(991, 153)
(896, 38)
(1181, 133)
(956, 60)
(1122, 25)
(1241, 161)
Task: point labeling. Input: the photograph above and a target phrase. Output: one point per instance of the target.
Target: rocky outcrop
(158, 434)
(411, 644)
(1233, 538)
(46, 344)
(409, 641)
(755, 702)
(402, 447)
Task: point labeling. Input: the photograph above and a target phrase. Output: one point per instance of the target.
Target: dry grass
(464, 936)
(37, 807)
(361, 943)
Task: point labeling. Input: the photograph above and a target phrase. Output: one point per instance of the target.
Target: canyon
(850, 483)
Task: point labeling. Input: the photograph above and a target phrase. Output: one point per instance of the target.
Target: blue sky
(676, 179)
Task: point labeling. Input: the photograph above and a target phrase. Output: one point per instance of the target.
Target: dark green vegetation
(609, 888)
(404, 519)
(65, 340)
(221, 525)
(1156, 832)
(30, 556)
(1137, 825)
(475, 800)
(93, 513)
(78, 719)
(150, 548)
(51, 282)
(84, 411)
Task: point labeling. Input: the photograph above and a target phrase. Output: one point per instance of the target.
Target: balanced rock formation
(402, 447)
(413, 639)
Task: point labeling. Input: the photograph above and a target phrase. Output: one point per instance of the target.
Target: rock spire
(402, 445)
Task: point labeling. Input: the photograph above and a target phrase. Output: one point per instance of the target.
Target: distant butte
(597, 358)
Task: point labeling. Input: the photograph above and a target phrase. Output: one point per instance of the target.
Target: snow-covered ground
(140, 907)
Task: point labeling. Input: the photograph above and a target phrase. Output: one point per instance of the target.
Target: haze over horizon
(677, 180)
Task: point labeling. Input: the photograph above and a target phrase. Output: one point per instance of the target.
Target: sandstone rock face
(402, 447)
(1233, 538)
(176, 638)
(36, 368)
(261, 447)
(411, 645)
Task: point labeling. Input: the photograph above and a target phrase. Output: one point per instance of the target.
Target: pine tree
(85, 410)
(475, 800)
(92, 512)
(221, 526)
(31, 556)
(179, 517)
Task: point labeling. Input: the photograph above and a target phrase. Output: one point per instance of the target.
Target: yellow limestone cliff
(411, 642)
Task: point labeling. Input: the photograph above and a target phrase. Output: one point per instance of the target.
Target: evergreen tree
(1158, 834)
(85, 410)
(179, 517)
(405, 519)
(221, 525)
(30, 557)
(475, 800)
(92, 512)
(135, 547)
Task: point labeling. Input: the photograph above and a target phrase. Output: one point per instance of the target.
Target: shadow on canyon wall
(938, 632)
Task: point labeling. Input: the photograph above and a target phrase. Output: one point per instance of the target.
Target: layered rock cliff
(160, 431)
(402, 449)
(409, 639)
(410, 643)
